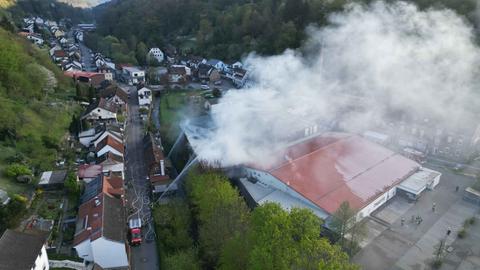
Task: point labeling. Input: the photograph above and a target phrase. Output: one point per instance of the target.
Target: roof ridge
(311, 153)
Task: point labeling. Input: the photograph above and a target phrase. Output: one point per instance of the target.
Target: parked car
(205, 87)
(218, 82)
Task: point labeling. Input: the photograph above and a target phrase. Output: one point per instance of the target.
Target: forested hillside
(225, 28)
(34, 108)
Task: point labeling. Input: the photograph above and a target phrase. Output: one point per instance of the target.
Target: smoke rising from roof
(368, 64)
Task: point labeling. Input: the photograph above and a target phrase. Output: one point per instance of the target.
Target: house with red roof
(100, 232)
(109, 145)
(101, 221)
(322, 172)
(88, 172)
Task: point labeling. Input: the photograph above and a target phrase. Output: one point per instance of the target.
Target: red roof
(72, 74)
(113, 186)
(112, 142)
(89, 171)
(338, 167)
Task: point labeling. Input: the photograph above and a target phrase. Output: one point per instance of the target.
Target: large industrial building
(321, 172)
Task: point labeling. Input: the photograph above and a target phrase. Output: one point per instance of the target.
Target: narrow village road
(145, 255)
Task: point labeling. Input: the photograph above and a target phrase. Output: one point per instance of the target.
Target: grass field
(174, 107)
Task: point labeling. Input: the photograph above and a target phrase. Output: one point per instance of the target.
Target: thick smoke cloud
(371, 62)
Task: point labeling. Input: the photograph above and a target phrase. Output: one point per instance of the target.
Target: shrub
(16, 169)
(462, 233)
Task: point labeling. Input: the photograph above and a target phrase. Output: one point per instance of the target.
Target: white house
(19, 250)
(133, 75)
(221, 66)
(100, 232)
(144, 97)
(101, 111)
(36, 39)
(157, 54)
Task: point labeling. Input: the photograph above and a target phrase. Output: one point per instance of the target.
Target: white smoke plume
(370, 62)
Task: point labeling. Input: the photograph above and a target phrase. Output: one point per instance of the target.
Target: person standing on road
(433, 207)
(457, 188)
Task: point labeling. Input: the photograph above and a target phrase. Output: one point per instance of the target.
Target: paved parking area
(411, 246)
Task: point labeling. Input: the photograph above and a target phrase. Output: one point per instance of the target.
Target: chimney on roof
(162, 167)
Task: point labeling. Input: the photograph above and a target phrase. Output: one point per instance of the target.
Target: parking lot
(391, 245)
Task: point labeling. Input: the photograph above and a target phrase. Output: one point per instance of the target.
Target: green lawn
(10, 185)
(173, 108)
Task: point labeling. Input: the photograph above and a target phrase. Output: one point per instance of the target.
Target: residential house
(35, 38)
(52, 180)
(88, 172)
(170, 53)
(237, 65)
(19, 250)
(4, 198)
(59, 55)
(158, 167)
(111, 163)
(105, 134)
(109, 145)
(133, 75)
(93, 79)
(102, 111)
(208, 73)
(58, 33)
(116, 95)
(195, 61)
(219, 65)
(87, 137)
(157, 54)
(112, 186)
(145, 97)
(179, 74)
(238, 76)
(100, 235)
(72, 66)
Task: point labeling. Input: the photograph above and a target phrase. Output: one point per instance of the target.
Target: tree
(173, 223)
(71, 186)
(14, 170)
(220, 211)
(182, 260)
(92, 94)
(345, 223)
(141, 53)
(279, 239)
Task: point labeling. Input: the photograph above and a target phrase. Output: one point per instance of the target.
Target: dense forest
(224, 29)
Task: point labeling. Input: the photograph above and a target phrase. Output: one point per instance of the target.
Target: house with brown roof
(109, 145)
(102, 111)
(158, 166)
(88, 172)
(111, 163)
(116, 95)
(100, 232)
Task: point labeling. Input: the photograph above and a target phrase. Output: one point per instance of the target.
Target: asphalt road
(145, 255)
